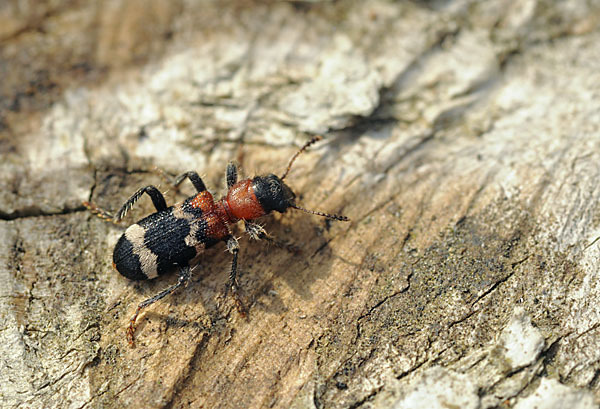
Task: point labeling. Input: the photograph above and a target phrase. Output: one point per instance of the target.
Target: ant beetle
(177, 235)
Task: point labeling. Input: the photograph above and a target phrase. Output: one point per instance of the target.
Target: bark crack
(37, 212)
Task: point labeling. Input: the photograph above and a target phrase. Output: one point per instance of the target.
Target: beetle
(176, 236)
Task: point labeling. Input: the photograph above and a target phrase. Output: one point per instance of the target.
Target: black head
(273, 193)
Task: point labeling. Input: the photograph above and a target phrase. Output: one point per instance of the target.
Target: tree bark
(461, 138)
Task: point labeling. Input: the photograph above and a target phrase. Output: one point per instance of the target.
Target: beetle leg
(157, 199)
(234, 248)
(193, 177)
(232, 175)
(257, 232)
(184, 278)
(101, 213)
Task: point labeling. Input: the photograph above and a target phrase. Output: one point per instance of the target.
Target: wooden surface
(462, 138)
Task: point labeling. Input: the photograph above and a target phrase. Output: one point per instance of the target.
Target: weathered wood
(461, 138)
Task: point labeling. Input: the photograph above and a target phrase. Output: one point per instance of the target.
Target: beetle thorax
(241, 203)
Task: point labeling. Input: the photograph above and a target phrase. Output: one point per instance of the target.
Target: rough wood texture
(461, 137)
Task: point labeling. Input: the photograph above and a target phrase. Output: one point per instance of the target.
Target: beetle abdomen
(154, 245)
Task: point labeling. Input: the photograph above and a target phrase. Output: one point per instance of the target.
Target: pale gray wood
(461, 138)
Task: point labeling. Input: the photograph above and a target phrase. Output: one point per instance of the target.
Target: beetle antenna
(302, 149)
(329, 216)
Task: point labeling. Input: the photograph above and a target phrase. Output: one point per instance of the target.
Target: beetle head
(273, 194)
